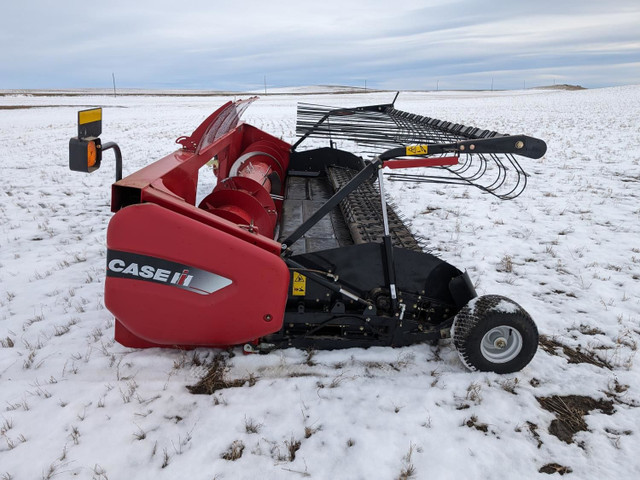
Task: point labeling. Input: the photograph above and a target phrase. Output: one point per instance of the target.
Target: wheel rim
(501, 344)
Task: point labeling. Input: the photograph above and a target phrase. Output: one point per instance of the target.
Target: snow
(73, 403)
(506, 307)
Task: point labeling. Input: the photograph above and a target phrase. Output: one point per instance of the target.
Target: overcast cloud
(402, 44)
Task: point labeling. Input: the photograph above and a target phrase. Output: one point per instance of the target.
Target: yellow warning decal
(417, 150)
(89, 116)
(299, 285)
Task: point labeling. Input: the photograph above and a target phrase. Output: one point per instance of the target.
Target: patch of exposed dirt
(573, 355)
(552, 468)
(215, 379)
(473, 423)
(570, 411)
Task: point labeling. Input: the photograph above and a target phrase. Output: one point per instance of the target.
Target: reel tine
(382, 127)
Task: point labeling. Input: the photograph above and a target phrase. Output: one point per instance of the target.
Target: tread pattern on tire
(469, 316)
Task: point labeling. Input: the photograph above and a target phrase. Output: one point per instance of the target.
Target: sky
(237, 45)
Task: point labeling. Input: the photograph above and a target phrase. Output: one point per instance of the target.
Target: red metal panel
(169, 201)
(177, 172)
(151, 312)
(420, 162)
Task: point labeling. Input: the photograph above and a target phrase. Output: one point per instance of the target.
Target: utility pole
(437, 85)
(265, 84)
(113, 76)
(365, 85)
(492, 84)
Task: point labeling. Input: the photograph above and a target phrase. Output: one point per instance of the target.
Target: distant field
(310, 90)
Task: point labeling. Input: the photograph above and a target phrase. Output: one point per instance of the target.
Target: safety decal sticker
(299, 285)
(417, 150)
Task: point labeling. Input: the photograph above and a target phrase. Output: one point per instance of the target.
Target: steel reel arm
(522, 145)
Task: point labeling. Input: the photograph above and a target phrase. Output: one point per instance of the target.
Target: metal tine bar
(521, 176)
(486, 165)
(452, 132)
(482, 167)
(462, 180)
(461, 168)
(480, 173)
(500, 178)
(477, 163)
(427, 179)
(383, 127)
(442, 181)
(413, 133)
(502, 169)
(468, 159)
(523, 173)
(516, 171)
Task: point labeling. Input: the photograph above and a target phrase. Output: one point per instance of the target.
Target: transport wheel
(494, 334)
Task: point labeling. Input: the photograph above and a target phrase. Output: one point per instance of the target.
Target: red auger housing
(186, 275)
(299, 248)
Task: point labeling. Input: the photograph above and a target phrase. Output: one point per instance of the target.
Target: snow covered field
(74, 404)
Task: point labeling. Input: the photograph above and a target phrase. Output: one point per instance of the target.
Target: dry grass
(166, 458)
(309, 431)
(251, 426)
(473, 393)
(293, 446)
(573, 355)
(408, 470)
(215, 379)
(506, 264)
(509, 385)
(234, 452)
(569, 411)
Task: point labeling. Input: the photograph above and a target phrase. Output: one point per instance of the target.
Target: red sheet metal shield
(174, 281)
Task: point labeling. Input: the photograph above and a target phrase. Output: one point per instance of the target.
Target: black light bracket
(118, 154)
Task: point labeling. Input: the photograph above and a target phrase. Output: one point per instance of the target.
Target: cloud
(409, 44)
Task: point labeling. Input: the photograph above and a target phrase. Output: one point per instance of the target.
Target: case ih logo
(158, 270)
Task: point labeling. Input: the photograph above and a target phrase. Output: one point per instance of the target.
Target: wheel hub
(501, 344)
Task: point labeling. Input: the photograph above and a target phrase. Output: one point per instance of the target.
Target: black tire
(494, 334)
